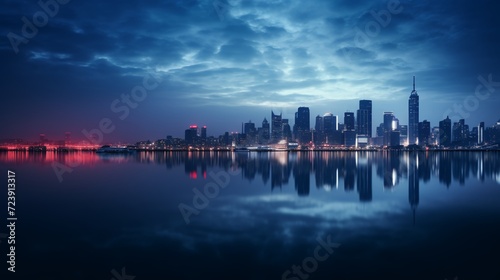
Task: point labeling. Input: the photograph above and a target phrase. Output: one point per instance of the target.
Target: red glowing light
(193, 126)
(193, 175)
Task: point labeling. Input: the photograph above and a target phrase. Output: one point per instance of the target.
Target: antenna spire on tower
(413, 83)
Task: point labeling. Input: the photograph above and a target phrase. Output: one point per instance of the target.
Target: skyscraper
(330, 126)
(388, 127)
(349, 132)
(302, 125)
(265, 131)
(388, 119)
(445, 132)
(394, 138)
(287, 132)
(413, 116)
(225, 139)
(319, 123)
(364, 117)
(250, 132)
(204, 132)
(424, 133)
(250, 128)
(349, 121)
(404, 131)
(276, 127)
(191, 135)
(318, 130)
(458, 132)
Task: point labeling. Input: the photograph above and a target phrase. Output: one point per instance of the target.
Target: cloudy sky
(220, 63)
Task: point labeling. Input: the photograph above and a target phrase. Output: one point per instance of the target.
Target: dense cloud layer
(222, 63)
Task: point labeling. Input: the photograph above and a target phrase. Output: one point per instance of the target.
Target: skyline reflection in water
(390, 211)
(350, 171)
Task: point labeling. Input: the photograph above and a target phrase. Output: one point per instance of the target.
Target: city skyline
(363, 105)
(326, 130)
(250, 139)
(145, 67)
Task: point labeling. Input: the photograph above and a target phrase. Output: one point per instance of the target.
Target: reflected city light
(329, 169)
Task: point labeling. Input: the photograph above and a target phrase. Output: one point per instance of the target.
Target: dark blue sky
(220, 63)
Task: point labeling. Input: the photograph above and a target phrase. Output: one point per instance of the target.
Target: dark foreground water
(332, 215)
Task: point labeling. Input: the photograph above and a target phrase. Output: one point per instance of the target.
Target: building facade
(276, 127)
(302, 125)
(445, 132)
(364, 118)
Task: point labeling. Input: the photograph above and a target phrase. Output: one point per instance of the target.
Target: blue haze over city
(250, 139)
(222, 63)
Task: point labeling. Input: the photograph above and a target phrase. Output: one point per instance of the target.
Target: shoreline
(72, 150)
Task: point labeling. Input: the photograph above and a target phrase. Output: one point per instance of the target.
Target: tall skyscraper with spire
(413, 109)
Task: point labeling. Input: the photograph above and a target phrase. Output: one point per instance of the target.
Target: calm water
(256, 215)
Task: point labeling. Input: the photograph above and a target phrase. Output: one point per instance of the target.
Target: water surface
(407, 215)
